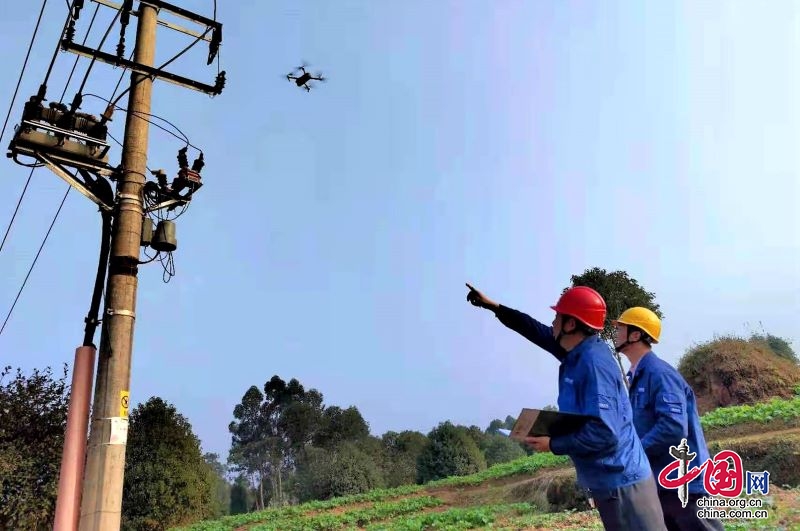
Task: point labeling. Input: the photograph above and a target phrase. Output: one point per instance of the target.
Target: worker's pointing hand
(476, 298)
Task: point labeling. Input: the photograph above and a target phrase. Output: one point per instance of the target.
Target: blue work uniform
(664, 412)
(606, 451)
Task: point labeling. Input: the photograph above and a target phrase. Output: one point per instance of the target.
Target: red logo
(724, 474)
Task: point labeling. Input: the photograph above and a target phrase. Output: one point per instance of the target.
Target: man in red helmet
(608, 456)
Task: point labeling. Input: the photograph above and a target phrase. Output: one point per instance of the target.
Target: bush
(501, 449)
(341, 471)
(450, 451)
(778, 345)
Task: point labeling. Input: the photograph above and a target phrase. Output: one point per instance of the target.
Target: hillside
(538, 492)
(732, 371)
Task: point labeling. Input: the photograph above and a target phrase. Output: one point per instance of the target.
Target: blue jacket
(606, 452)
(664, 412)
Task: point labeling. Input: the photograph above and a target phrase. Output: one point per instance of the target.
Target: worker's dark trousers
(679, 518)
(632, 508)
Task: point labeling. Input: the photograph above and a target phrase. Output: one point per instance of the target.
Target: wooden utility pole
(101, 505)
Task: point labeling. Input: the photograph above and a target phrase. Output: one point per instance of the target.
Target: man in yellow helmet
(664, 413)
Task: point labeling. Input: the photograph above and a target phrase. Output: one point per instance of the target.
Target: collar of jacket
(583, 346)
(644, 362)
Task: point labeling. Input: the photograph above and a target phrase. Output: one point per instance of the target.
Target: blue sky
(508, 144)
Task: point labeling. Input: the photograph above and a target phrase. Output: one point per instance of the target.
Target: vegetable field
(485, 500)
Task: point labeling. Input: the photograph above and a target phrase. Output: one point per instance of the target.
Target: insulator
(198, 163)
(183, 160)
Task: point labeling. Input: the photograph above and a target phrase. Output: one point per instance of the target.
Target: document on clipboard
(542, 423)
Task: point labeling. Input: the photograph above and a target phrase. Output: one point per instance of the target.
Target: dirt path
(758, 436)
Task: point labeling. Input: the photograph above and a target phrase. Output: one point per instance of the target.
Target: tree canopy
(33, 416)
(168, 482)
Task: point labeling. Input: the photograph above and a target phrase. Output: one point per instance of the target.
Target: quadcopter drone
(303, 80)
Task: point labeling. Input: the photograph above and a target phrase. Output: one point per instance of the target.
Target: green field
(499, 497)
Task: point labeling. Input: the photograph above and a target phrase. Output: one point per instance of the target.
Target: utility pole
(63, 139)
(101, 508)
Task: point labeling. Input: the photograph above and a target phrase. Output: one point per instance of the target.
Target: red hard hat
(584, 304)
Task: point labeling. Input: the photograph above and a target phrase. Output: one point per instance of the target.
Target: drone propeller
(320, 77)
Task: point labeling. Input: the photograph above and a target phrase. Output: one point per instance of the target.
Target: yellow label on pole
(123, 403)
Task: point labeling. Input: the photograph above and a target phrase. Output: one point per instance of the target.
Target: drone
(302, 80)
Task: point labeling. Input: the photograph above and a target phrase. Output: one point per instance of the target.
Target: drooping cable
(35, 259)
(22, 71)
(19, 202)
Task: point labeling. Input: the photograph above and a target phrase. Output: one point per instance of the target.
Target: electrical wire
(162, 67)
(168, 263)
(58, 45)
(24, 66)
(120, 144)
(183, 136)
(94, 55)
(150, 258)
(121, 77)
(78, 57)
(100, 277)
(35, 259)
(19, 202)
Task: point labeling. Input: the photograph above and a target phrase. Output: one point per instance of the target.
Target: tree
(269, 430)
(401, 452)
(167, 481)
(620, 292)
(450, 451)
(340, 471)
(242, 495)
(249, 454)
(339, 425)
(495, 426)
(476, 434)
(220, 486)
(33, 416)
(500, 449)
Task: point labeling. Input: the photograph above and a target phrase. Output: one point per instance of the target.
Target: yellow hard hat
(641, 318)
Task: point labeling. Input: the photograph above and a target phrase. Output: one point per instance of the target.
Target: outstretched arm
(531, 329)
(525, 325)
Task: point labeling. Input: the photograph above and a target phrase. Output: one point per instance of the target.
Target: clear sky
(508, 144)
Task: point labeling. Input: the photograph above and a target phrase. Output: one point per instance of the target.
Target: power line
(77, 58)
(13, 216)
(58, 47)
(151, 122)
(162, 67)
(24, 282)
(22, 72)
(121, 76)
(94, 55)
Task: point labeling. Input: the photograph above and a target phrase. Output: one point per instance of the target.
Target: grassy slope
(513, 495)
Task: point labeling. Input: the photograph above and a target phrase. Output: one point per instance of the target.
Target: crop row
(357, 517)
(775, 409)
(524, 465)
(456, 519)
